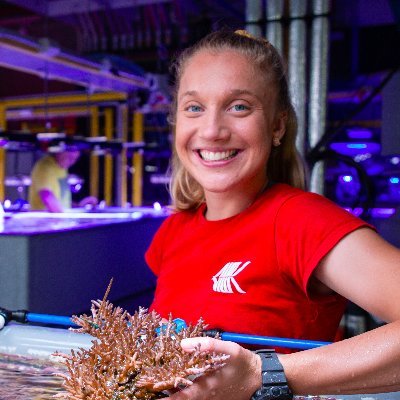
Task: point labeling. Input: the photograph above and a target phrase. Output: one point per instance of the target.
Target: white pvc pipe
(253, 16)
(298, 66)
(274, 30)
(40, 342)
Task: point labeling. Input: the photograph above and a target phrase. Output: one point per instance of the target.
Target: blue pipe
(266, 341)
(24, 316)
(49, 319)
(272, 341)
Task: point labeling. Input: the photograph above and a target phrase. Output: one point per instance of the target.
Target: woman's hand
(237, 380)
(89, 201)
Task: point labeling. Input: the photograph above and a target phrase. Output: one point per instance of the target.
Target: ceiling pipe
(139, 29)
(318, 85)
(148, 27)
(164, 23)
(274, 31)
(98, 23)
(93, 41)
(114, 26)
(181, 21)
(126, 36)
(51, 62)
(155, 25)
(297, 65)
(254, 11)
(84, 34)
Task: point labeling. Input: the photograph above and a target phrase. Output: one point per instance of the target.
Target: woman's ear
(280, 125)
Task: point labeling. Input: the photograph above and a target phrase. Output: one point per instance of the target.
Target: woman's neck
(227, 204)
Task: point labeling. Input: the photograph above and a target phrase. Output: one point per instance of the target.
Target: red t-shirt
(249, 273)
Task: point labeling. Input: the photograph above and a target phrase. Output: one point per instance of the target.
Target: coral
(132, 356)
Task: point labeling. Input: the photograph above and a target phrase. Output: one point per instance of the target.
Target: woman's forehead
(209, 63)
(229, 69)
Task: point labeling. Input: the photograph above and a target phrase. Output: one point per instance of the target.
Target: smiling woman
(251, 252)
(224, 128)
(222, 100)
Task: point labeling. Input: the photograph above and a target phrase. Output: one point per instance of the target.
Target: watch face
(264, 396)
(273, 392)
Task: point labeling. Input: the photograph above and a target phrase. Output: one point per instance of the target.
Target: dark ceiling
(364, 33)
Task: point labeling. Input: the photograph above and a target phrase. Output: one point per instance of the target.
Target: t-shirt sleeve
(43, 177)
(308, 226)
(153, 255)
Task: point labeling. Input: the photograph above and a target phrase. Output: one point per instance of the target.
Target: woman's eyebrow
(188, 93)
(241, 91)
(238, 92)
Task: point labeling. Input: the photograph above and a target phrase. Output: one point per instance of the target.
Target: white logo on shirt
(225, 278)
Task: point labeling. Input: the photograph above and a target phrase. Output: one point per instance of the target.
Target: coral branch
(129, 359)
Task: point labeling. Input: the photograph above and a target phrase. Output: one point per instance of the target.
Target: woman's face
(226, 118)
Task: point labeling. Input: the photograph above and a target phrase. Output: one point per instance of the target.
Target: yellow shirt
(47, 174)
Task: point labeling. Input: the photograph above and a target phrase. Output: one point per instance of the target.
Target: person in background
(49, 188)
(249, 250)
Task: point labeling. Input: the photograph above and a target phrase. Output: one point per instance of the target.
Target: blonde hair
(285, 164)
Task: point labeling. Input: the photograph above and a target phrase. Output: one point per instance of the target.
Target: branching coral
(132, 356)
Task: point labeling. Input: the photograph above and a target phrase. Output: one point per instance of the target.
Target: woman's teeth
(217, 155)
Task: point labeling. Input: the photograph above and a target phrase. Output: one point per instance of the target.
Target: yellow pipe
(137, 179)
(94, 160)
(3, 125)
(123, 182)
(108, 162)
(62, 99)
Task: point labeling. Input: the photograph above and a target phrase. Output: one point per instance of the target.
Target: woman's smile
(212, 156)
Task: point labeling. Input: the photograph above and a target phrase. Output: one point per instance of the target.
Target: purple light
(382, 212)
(356, 146)
(359, 134)
(395, 160)
(354, 149)
(157, 206)
(357, 211)
(346, 178)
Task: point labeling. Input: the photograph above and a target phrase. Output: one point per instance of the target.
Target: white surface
(40, 342)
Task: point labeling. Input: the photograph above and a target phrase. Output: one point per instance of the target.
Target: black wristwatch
(274, 383)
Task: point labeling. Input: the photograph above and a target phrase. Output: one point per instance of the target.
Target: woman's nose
(213, 127)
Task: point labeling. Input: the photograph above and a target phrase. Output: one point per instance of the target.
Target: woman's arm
(50, 200)
(367, 363)
(365, 269)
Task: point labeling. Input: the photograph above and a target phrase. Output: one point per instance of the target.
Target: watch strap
(274, 383)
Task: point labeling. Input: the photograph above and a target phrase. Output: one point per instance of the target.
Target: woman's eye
(193, 108)
(239, 107)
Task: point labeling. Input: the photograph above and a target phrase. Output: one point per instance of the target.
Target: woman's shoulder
(300, 205)
(283, 193)
(179, 217)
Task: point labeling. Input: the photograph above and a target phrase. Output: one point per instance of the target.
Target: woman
(249, 251)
